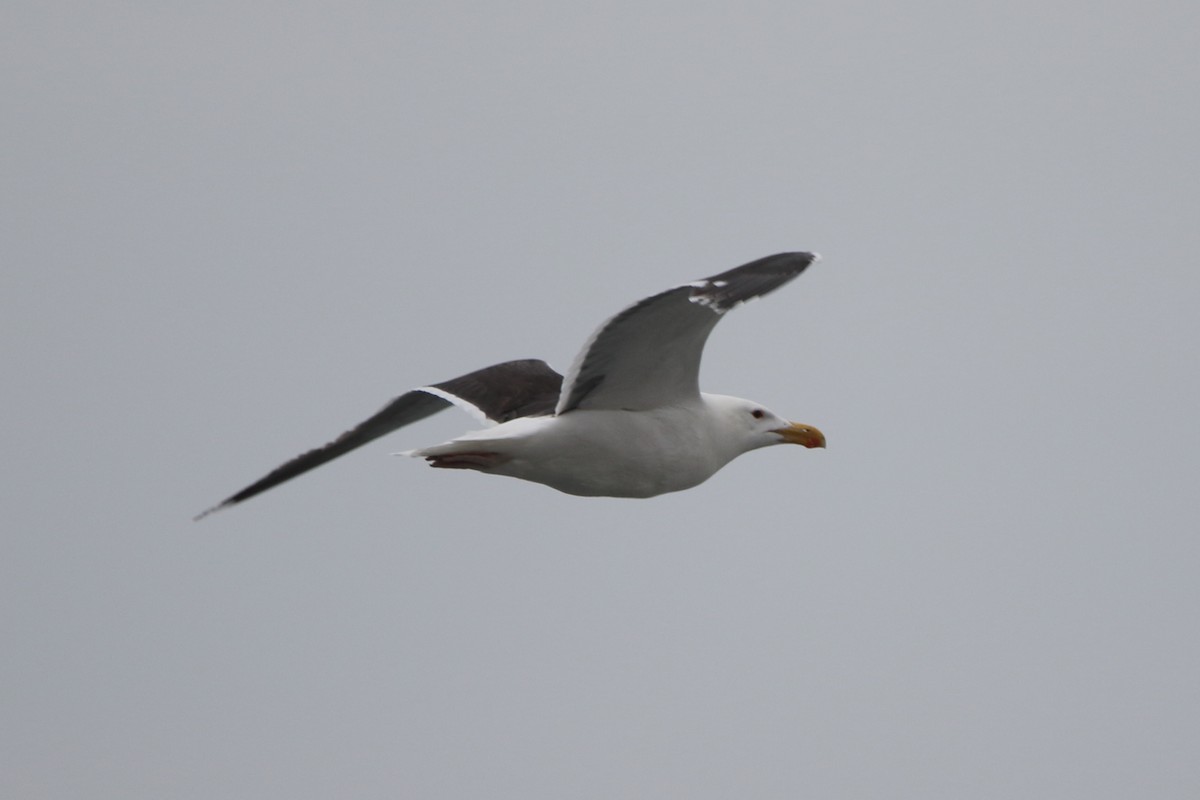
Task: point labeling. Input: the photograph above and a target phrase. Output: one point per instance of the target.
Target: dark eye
(758, 413)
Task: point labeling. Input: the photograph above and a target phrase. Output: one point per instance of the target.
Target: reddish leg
(480, 460)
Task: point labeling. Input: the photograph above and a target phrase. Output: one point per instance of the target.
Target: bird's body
(628, 420)
(609, 453)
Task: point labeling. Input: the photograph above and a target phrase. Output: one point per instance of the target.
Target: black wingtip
(799, 256)
(733, 287)
(213, 510)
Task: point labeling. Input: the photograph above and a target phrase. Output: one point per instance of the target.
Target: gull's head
(758, 426)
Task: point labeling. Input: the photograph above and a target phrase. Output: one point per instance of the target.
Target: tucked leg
(480, 460)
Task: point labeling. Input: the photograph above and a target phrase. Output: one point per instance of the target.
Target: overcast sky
(231, 230)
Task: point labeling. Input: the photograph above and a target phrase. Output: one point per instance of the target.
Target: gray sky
(231, 231)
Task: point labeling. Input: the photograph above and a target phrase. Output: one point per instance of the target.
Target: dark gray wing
(525, 388)
(648, 356)
(499, 393)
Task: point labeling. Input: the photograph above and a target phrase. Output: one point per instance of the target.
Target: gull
(628, 420)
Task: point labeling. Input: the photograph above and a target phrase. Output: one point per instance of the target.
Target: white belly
(602, 453)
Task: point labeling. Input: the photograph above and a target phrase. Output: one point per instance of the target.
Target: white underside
(607, 453)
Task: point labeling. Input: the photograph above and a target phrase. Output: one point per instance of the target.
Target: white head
(747, 425)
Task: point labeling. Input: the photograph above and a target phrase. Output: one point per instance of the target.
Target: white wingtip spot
(710, 303)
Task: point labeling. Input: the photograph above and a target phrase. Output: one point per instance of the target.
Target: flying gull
(629, 419)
